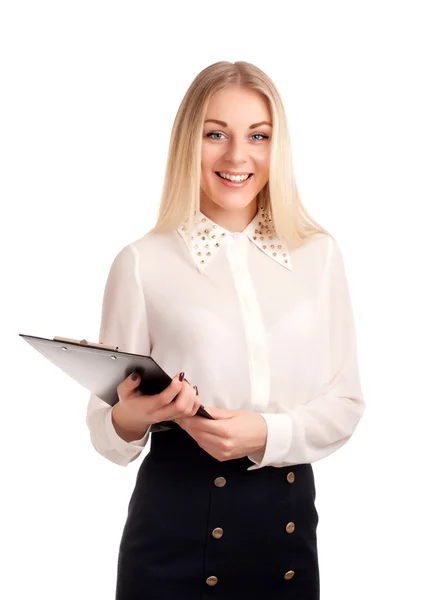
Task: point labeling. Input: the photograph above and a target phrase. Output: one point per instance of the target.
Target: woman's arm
(314, 430)
(123, 324)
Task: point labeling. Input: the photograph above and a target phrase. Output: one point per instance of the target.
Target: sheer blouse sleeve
(123, 324)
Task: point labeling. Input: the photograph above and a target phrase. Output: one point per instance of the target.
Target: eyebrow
(226, 124)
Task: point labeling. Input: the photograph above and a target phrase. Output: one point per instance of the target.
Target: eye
(262, 135)
(213, 133)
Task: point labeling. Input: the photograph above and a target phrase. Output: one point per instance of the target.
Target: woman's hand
(135, 412)
(234, 433)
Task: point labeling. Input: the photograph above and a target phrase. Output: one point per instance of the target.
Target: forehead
(238, 106)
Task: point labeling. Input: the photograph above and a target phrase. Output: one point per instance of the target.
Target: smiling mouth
(219, 175)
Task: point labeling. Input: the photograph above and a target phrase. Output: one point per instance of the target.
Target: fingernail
(134, 376)
(196, 389)
(181, 376)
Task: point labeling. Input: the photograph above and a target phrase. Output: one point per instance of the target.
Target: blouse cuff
(279, 438)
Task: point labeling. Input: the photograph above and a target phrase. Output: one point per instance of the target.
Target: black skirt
(199, 528)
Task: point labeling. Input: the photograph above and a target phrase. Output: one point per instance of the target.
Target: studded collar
(206, 237)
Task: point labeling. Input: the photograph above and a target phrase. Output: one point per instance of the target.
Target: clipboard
(100, 368)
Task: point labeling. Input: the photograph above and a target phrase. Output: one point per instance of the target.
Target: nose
(236, 151)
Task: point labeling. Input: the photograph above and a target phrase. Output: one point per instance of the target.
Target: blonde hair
(180, 199)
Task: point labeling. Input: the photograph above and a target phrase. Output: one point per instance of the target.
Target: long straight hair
(180, 198)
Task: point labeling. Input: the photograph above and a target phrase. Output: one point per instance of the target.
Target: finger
(217, 426)
(185, 401)
(181, 407)
(165, 397)
(154, 402)
(197, 404)
(220, 413)
(204, 425)
(211, 443)
(184, 421)
(128, 385)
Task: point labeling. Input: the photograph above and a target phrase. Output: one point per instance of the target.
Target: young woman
(239, 289)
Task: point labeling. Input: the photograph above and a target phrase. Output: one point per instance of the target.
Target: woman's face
(239, 144)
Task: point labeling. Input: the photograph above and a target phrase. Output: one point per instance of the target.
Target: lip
(233, 184)
(231, 173)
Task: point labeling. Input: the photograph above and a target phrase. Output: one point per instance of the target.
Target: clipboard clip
(85, 343)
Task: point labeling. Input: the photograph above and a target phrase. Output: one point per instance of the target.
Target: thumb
(219, 413)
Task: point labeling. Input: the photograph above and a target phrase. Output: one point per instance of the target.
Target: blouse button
(289, 574)
(212, 580)
(291, 477)
(290, 527)
(217, 533)
(220, 481)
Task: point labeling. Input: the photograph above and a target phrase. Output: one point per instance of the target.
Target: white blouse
(255, 326)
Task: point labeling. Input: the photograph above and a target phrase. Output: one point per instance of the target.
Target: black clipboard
(100, 368)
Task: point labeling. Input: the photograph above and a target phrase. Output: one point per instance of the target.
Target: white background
(89, 93)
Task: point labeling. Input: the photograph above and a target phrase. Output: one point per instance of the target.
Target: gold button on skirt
(199, 528)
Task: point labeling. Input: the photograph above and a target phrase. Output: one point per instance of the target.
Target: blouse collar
(205, 238)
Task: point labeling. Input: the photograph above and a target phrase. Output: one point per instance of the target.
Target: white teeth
(236, 178)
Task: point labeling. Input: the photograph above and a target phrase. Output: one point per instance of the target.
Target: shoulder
(326, 246)
(154, 241)
(148, 245)
(321, 254)
(146, 248)
(315, 252)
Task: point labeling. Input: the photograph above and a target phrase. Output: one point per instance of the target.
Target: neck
(234, 220)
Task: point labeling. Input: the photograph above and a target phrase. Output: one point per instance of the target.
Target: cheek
(206, 177)
(263, 166)
(263, 172)
(209, 156)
